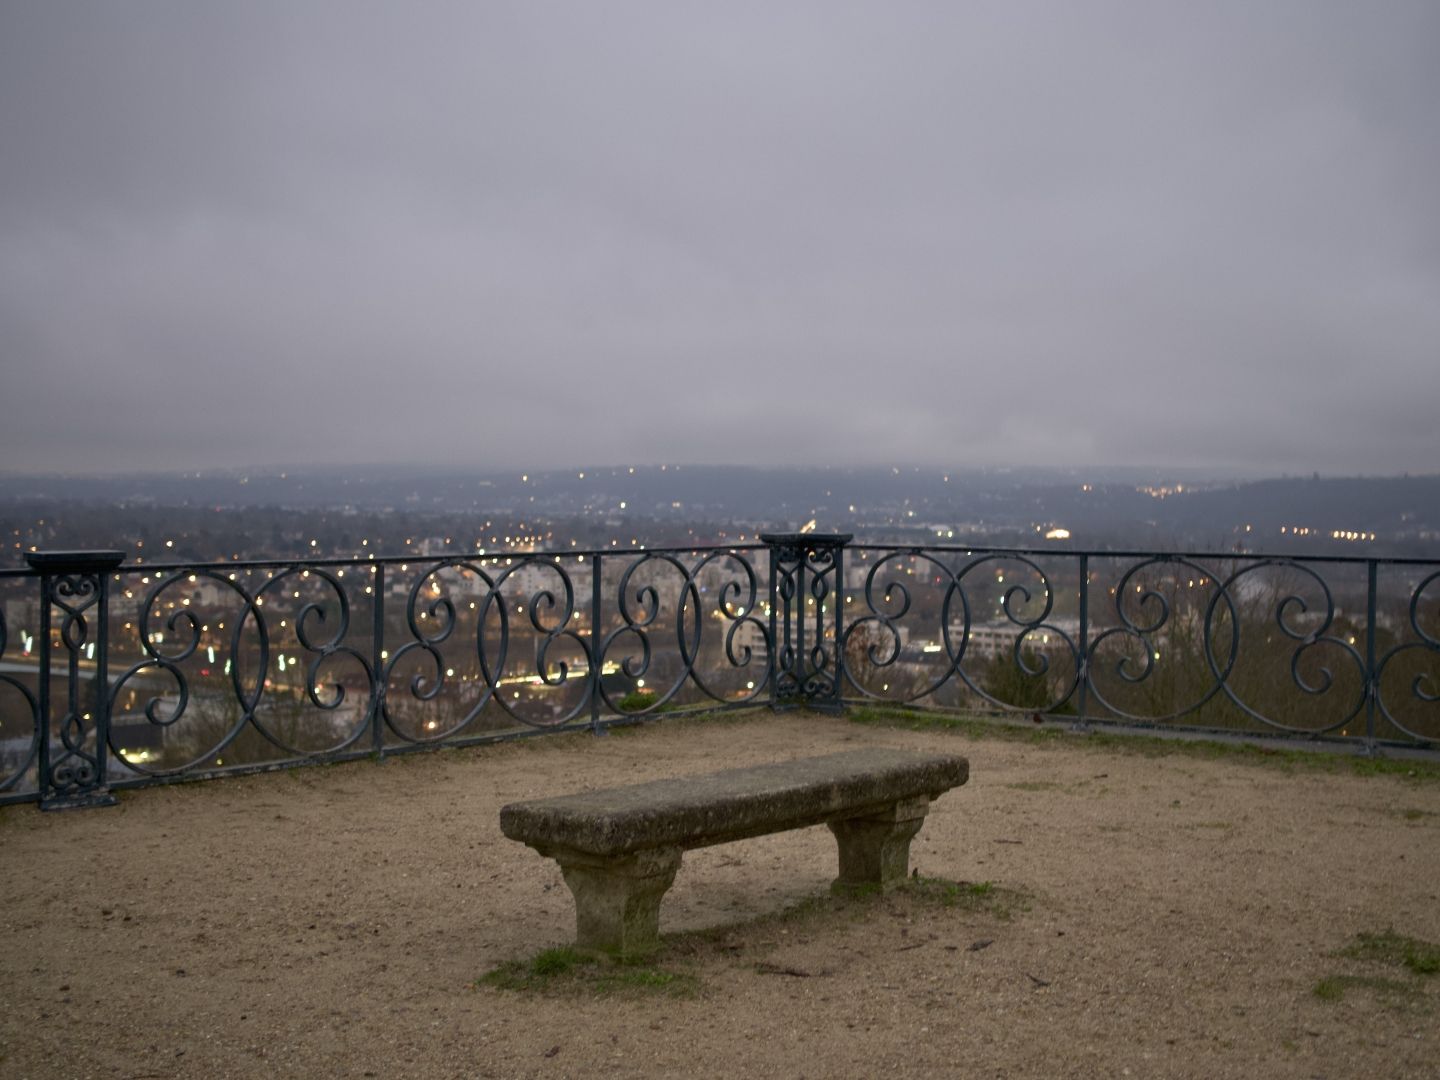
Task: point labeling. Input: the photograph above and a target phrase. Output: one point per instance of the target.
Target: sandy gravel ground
(331, 922)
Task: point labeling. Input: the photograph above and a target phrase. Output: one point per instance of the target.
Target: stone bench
(619, 849)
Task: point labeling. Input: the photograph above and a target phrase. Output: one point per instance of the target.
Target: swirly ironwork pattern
(77, 768)
(252, 664)
(433, 617)
(1424, 683)
(25, 760)
(1233, 634)
(640, 607)
(806, 584)
(170, 646)
(888, 601)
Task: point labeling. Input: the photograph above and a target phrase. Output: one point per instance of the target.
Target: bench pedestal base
(617, 900)
(875, 849)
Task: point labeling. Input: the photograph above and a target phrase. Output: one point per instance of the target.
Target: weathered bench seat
(619, 848)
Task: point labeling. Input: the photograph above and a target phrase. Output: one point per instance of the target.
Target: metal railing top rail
(487, 555)
(701, 549)
(1126, 553)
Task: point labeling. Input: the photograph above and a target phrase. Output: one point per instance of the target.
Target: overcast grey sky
(539, 234)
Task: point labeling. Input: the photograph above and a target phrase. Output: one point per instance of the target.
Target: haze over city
(514, 235)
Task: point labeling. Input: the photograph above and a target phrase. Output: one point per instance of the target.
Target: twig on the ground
(764, 968)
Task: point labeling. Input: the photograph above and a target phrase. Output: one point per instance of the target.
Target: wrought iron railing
(117, 675)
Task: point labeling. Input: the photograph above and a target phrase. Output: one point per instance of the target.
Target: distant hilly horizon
(1132, 498)
(12, 481)
(1119, 508)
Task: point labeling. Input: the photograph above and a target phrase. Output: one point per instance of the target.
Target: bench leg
(617, 900)
(875, 849)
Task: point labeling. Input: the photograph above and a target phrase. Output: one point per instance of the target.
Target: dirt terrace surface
(333, 921)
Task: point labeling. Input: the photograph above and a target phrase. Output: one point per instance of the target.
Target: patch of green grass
(968, 895)
(568, 971)
(1419, 959)
(1333, 988)
(1281, 758)
(1383, 766)
(560, 961)
(1397, 950)
(973, 726)
(862, 891)
(641, 701)
(541, 969)
(646, 978)
(984, 896)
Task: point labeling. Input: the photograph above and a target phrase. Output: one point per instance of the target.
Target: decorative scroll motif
(640, 608)
(1144, 615)
(806, 582)
(73, 773)
(1234, 636)
(546, 644)
(432, 618)
(1424, 685)
(31, 713)
(873, 640)
(253, 665)
(1316, 641)
(170, 645)
(77, 769)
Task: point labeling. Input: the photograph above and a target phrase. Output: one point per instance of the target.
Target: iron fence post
(75, 582)
(1082, 650)
(377, 659)
(809, 676)
(839, 602)
(773, 658)
(596, 661)
(1372, 687)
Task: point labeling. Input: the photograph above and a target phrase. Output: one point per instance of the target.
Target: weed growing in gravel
(1275, 757)
(979, 896)
(640, 700)
(566, 970)
(1332, 988)
(1420, 958)
(859, 901)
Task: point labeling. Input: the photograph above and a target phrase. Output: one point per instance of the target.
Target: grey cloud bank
(534, 235)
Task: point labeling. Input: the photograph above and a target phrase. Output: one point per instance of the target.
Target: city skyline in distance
(327, 512)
